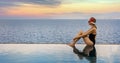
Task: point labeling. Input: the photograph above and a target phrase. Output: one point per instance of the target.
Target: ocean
(56, 31)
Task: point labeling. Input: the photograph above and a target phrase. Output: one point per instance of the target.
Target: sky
(60, 9)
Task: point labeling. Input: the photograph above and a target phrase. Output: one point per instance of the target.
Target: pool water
(58, 53)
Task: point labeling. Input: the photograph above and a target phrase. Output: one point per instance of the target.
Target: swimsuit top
(92, 38)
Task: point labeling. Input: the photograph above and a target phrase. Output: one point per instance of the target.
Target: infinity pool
(57, 53)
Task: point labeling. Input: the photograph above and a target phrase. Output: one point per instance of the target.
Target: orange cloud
(37, 10)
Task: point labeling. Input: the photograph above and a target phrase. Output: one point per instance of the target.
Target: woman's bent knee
(88, 41)
(81, 31)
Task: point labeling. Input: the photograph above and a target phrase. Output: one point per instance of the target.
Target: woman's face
(89, 23)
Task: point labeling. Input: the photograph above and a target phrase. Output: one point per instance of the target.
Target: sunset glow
(65, 9)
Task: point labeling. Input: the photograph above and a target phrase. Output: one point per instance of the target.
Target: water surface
(56, 31)
(56, 53)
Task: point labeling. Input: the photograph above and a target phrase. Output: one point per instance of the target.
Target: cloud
(7, 3)
(92, 1)
(79, 15)
(1, 12)
(44, 2)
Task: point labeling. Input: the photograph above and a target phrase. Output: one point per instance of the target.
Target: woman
(88, 36)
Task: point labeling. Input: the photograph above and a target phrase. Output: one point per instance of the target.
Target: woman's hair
(95, 26)
(92, 20)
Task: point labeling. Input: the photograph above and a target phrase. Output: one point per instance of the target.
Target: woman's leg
(76, 39)
(87, 41)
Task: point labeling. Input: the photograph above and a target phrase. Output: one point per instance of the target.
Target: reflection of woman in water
(88, 36)
(89, 52)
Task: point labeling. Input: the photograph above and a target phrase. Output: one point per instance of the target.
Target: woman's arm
(84, 33)
(88, 32)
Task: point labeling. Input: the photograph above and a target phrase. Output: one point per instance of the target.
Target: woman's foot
(71, 45)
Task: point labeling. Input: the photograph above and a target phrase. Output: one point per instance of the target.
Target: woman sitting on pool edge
(88, 36)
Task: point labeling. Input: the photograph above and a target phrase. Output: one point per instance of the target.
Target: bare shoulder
(93, 28)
